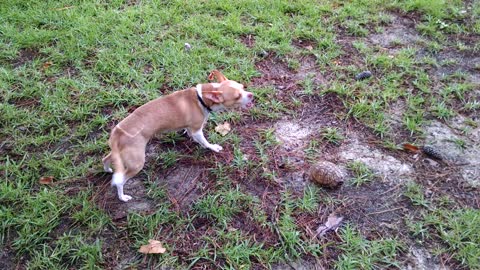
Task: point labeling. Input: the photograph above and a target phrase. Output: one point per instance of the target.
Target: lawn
(71, 70)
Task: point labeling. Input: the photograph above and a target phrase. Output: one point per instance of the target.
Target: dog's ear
(218, 75)
(215, 96)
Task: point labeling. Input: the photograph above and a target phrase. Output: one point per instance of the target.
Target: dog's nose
(250, 96)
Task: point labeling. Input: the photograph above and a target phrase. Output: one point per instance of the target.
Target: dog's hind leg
(133, 160)
(107, 161)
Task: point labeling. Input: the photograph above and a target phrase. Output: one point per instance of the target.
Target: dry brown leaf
(411, 148)
(223, 129)
(332, 223)
(153, 247)
(46, 180)
(47, 64)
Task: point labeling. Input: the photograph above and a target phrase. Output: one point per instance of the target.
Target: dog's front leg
(199, 138)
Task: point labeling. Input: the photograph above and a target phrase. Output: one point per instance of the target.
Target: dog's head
(227, 94)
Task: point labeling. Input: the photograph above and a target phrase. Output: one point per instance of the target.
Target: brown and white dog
(186, 109)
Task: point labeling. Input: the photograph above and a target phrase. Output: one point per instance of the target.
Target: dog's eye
(244, 86)
(238, 96)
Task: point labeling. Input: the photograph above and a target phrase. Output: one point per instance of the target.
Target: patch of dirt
(300, 265)
(375, 208)
(304, 44)
(308, 69)
(456, 149)
(27, 103)
(24, 56)
(400, 32)
(385, 166)
(248, 40)
(108, 200)
(395, 115)
(183, 185)
(420, 259)
(460, 62)
(275, 71)
(7, 257)
(293, 134)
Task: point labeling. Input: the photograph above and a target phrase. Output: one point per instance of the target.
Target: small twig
(64, 8)
(174, 202)
(388, 191)
(464, 164)
(384, 211)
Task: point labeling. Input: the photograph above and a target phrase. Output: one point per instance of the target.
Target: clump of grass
(361, 173)
(223, 205)
(142, 227)
(308, 84)
(167, 158)
(460, 231)
(69, 250)
(312, 149)
(239, 250)
(360, 253)
(332, 135)
(309, 201)
(417, 229)
(414, 192)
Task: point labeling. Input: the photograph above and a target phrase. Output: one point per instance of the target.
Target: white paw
(125, 198)
(215, 147)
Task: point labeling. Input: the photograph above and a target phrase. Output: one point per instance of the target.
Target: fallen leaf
(47, 64)
(411, 148)
(332, 223)
(153, 247)
(309, 47)
(223, 129)
(46, 180)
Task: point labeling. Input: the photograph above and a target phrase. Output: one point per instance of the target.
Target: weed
(415, 193)
(223, 205)
(417, 229)
(310, 199)
(361, 173)
(167, 158)
(70, 250)
(442, 111)
(359, 253)
(332, 135)
(312, 149)
(309, 85)
(461, 144)
(459, 230)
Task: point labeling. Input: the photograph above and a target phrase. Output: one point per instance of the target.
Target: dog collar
(203, 103)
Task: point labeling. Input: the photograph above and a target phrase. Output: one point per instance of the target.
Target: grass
(361, 173)
(332, 135)
(360, 253)
(69, 72)
(415, 193)
(459, 231)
